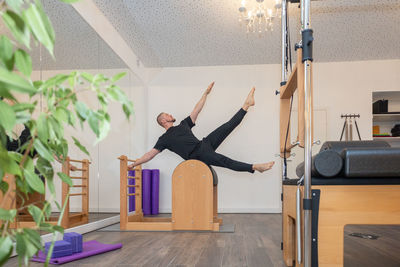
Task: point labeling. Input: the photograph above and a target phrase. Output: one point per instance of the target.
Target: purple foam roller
(131, 199)
(146, 192)
(155, 189)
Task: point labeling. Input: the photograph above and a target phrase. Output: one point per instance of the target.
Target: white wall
(339, 88)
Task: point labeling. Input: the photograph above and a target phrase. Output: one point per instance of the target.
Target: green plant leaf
(58, 229)
(6, 48)
(87, 76)
(7, 116)
(22, 117)
(23, 106)
(42, 128)
(34, 181)
(37, 23)
(7, 163)
(23, 62)
(65, 178)
(34, 237)
(6, 248)
(4, 187)
(61, 114)
(94, 123)
(7, 215)
(43, 150)
(36, 214)
(17, 26)
(55, 80)
(82, 110)
(80, 146)
(118, 77)
(15, 4)
(14, 82)
(104, 129)
(45, 168)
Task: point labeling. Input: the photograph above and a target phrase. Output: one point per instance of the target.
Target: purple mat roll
(131, 199)
(155, 188)
(90, 248)
(146, 192)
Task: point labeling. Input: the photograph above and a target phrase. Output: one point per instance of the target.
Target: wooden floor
(256, 242)
(382, 251)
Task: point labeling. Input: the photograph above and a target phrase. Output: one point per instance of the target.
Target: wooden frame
(295, 82)
(194, 200)
(69, 220)
(339, 205)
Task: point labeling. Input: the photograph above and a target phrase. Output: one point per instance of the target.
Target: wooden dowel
(78, 170)
(75, 160)
(132, 186)
(77, 177)
(79, 185)
(78, 194)
(131, 160)
(133, 194)
(133, 177)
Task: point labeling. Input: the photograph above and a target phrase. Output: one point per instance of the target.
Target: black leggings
(206, 150)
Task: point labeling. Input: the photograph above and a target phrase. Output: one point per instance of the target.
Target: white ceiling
(181, 33)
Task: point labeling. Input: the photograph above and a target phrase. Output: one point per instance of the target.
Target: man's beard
(173, 120)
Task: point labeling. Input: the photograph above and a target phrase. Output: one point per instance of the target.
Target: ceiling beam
(99, 22)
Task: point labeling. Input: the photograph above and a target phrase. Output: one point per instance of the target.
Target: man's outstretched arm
(145, 158)
(200, 104)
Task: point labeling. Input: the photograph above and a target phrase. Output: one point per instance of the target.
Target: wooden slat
(132, 186)
(79, 185)
(284, 119)
(79, 169)
(133, 194)
(133, 177)
(123, 209)
(77, 194)
(288, 90)
(77, 177)
(149, 226)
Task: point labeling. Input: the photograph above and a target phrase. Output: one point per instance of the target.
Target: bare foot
(263, 166)
(249, 100)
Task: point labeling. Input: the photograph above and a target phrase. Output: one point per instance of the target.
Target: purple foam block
(76, 241)
(131, 199)
(155, 188)
(61, 248)
(146, 192)
(90, 248)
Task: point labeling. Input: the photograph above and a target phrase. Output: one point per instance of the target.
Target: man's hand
(131, 166)
(209, 88)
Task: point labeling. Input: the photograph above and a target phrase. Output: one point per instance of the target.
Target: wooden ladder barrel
(194, 197)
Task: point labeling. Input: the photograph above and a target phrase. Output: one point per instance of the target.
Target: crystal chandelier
(259, 15)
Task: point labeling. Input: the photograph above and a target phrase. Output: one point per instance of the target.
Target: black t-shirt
(179, 139)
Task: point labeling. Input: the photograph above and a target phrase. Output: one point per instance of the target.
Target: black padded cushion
(375, 162)
(347, 181)
(215, 176)
(339, 146)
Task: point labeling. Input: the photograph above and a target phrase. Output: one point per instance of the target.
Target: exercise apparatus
(194, 199)
(25, 220)
(316, 209)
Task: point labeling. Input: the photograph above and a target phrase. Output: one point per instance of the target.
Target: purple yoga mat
(146, 191)
(131, 199)
(90, 248)
(155, 187)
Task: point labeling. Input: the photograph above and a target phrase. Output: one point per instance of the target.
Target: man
(181, 140)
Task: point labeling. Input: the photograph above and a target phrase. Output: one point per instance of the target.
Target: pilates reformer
(25, 220)
(315, 210)
(194, 199)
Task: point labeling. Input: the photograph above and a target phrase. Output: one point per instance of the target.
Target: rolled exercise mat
(146, 191)
(90, 248)
(326, 163)
(155, 191)
(339, 146)
(372, 162)
(131, 190)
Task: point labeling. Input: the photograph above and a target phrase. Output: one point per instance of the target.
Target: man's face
(169, 117)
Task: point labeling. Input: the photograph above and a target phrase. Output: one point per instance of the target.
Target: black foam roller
(327, 163)
(339, 146)
(367, 162)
